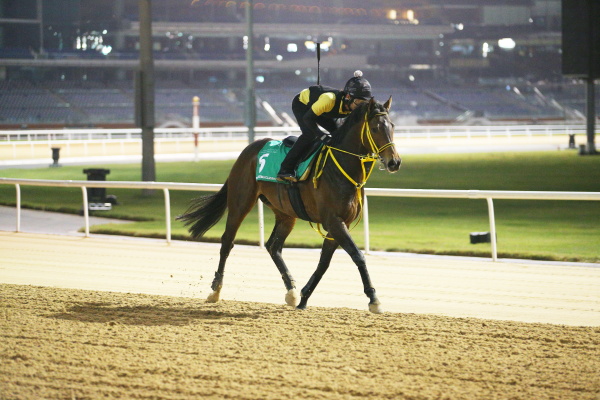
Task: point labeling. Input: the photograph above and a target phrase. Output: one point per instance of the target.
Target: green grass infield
(530, 229)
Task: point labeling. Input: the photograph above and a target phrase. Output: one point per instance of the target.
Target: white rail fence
(22, 142)
(488, 195)
(240, 132)
(54, 135)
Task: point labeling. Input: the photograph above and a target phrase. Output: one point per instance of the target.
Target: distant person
(321, 106)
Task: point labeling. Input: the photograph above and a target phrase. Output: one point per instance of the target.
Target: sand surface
(77, 344)
(544, 292)
(116, 318)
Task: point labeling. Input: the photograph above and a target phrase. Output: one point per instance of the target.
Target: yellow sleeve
(305, 96)
(324, 104)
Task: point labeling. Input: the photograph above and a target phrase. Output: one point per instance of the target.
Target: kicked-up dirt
(76, 344)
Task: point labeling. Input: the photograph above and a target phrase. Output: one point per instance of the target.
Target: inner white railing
(488, 195)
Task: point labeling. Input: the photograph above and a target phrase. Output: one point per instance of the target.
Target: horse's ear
(388, 104)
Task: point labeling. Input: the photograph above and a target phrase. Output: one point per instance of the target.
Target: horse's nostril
(394, 164)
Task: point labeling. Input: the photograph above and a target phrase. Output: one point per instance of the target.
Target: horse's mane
(355, 117)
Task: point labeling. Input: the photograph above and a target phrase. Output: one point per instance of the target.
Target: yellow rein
(328, 152)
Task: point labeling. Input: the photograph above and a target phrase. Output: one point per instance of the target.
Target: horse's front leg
(327, 251)
(339, 231)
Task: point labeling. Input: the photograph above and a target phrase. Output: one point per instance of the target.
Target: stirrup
(287, 176)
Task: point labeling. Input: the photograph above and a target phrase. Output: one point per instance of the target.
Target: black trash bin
(55, 157)
(97, 196)
(480, 237)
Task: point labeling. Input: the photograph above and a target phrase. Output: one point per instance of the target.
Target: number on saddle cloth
(273, 153)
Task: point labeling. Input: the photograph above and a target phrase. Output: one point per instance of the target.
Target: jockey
(321, 106)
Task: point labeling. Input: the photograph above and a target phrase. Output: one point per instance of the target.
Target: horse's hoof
(375, 308)
(214, 297)
(302, 305)
(292, 297)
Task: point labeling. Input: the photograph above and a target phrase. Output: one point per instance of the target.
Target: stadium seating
(92, 103)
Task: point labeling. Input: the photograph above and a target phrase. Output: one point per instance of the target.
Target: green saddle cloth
(270, 158)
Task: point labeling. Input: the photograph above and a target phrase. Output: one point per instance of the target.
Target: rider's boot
(287, 171)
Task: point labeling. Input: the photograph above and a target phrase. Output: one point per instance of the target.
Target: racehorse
(334, 200)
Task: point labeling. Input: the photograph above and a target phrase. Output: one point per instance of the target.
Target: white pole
(196, 124)
(18, 188)
(261, 224)
(492, 228)
(365, 212)
(86, 211)
(168, 214)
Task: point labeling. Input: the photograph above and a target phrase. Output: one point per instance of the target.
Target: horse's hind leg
(237, 212)
(327, 251)
(283, 226)
(226, 246)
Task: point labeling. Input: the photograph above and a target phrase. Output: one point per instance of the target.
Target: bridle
(366, 131)
(327, 152)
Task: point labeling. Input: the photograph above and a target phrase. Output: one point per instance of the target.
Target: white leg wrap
(376, 308)
(292, 298)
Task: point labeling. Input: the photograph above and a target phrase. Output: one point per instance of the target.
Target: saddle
(273, 153)
(269, 161)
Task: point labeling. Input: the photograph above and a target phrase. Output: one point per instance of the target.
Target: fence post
(86, 211)
(365, 212)
(492, 228)
(167, 214)
(18, 189)
(261, 224)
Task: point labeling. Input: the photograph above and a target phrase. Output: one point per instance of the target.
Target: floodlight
(506, 43)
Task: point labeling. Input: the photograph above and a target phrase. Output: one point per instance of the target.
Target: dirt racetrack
(76, 344)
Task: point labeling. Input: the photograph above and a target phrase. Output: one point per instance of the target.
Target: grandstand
(50, 103)
(440, 60)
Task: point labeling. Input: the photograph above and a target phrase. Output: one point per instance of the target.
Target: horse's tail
(204, 212)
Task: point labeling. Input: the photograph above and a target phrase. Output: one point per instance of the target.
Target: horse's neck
(351, 141)
(350, 147)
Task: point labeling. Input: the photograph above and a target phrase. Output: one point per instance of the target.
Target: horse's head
(378, 134)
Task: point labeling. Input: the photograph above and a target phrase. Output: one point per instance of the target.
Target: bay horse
(332, 196)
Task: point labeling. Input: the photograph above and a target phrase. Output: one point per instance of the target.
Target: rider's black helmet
(358, 87)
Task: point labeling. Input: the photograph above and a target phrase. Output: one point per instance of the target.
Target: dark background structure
(73, 62)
